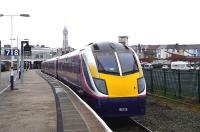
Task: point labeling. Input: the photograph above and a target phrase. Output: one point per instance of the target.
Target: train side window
(78, 70)
(77, 65)
(68, 65)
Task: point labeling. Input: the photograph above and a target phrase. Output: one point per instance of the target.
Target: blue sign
(11, 52)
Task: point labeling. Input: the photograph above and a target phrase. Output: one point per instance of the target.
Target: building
(62, 51)
(38, 54)
(166, 51)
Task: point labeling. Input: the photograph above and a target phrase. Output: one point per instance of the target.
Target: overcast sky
(144, 21)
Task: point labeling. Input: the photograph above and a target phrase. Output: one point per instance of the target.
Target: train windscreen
(127, 62)
(106, 63)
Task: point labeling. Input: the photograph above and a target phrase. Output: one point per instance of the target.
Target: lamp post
(11, 68)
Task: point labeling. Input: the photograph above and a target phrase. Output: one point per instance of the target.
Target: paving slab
(30, 108)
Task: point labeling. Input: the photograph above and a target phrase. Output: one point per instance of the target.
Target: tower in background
(65, 38)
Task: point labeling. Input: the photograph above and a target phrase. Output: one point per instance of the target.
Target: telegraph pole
(22, 61)
(11, 68)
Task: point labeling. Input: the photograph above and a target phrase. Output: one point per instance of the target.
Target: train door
(56, 68)
(78, 71)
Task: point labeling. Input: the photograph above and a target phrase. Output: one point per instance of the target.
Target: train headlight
(141, 85)
(101, 85)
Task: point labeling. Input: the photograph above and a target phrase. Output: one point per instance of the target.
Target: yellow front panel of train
(121, 86)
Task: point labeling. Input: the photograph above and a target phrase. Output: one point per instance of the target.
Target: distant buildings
(166, 51)
(39, 54)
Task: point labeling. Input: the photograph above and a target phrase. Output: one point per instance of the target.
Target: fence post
(179, 84)
(199, 85)
(165, 87)
(151, 73)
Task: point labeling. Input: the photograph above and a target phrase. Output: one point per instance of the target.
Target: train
(5, 66)
(107, 74)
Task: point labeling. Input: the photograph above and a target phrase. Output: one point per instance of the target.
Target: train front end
(116, 80)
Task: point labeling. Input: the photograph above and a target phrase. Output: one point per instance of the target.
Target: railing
(174, 83)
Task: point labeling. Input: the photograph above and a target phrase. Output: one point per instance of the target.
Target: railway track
(125, 125)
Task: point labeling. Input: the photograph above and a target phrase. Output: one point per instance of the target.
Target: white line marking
(90, 109)
(4, 89)
(107, 129)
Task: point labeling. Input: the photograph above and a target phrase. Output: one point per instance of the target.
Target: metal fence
(174, 83)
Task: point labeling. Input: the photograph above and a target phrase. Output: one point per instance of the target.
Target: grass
(173, 99)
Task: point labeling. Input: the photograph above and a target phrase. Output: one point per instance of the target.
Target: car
(148, 66)
(181, 65)
(197, 68)
(165, 67)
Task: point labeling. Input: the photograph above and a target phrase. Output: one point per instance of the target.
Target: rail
(125, 125)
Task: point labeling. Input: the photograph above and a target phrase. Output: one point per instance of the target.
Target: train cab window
(127, 62)
(106, 63)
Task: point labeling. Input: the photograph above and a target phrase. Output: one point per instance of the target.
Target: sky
(143, 21)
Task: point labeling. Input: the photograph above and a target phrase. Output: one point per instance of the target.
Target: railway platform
(43, 104)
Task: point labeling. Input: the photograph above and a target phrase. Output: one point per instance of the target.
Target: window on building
(41, 56)
(37, 56)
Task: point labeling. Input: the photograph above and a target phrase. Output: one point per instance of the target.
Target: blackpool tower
(65, 38)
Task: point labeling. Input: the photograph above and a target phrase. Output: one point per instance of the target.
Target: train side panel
(69, 70)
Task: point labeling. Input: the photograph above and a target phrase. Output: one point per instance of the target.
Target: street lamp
(11, 68)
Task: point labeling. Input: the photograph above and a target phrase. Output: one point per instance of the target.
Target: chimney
(123, 40)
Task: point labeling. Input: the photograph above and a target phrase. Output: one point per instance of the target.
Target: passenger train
(109, 75)
(5, 65)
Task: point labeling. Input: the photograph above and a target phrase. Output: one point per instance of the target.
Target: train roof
(73, 53)
(95, 47)
(52, 59)
(108, 46)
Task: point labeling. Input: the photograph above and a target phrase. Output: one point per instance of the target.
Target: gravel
(163, 115)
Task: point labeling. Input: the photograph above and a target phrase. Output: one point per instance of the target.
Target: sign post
(25, 50)
(11, 52)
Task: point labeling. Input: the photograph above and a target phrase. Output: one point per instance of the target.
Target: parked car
(181, 65)
(148, 66)
(165, 67)
(197, 67)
